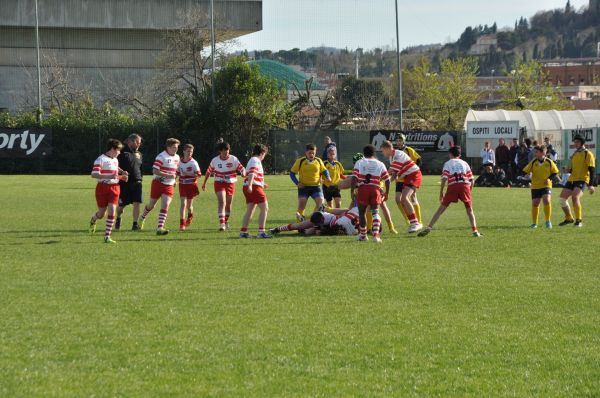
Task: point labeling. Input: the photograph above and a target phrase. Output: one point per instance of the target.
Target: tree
(527, 87)
(442, 99)
(247, 105)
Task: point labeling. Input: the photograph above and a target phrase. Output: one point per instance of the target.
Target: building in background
(101, 42)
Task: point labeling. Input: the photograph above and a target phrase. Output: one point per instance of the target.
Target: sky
(369, 24)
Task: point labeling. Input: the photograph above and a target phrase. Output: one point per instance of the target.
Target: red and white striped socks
(145, 213)
(162, 218)
(222, 218)
(376, 222)
(110, 221)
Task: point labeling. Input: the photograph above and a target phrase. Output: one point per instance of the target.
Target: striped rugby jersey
(167, 164)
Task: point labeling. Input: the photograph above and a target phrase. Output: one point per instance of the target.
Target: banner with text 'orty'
(31, 142)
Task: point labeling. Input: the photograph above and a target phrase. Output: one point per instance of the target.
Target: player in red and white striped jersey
(108, 174)
(254, 193)
(325, 222)
(459, 177)
(404, 168)
(164, 170)
(369, 172)
(224, 168)
(188, 172)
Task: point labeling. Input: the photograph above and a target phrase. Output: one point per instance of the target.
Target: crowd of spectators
(503, 167)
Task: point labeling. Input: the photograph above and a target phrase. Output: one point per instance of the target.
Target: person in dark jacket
(328, 144)
(130, 160)
(512, 154)
(503, 155)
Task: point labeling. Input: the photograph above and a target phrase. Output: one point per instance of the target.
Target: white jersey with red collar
(347, 222)
(106, 165)
(255, 168)
(188, 172)
(166, 164)
(370, 172)
(402, 164)
(225, 170)
(457, 171)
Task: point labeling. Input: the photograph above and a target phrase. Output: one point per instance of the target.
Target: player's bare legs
(250, 207)
(388, 217)
(472, 220)
(182, 213)
(547, 200)
(535, 211)
(401, 206)
(337, 202)
(262, 216)
(302, 200)
(415, 203)
(221, 206)
(576, 199)
(318, 203)
(437, 216)
(228, 203)
(407, 193)
(565, 194)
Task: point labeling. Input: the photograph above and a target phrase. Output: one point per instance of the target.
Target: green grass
(203, 313)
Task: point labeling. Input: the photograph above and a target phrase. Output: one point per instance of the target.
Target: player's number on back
(458, 177)
(368, 179)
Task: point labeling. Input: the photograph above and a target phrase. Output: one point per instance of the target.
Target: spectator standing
(487, 155)
(550, 151)
(530, 152)
(503, 155)
(328, 144)
(512, 154)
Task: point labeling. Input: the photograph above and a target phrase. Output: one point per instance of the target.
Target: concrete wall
(100, 38)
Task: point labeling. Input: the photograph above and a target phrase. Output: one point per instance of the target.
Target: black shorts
(314, 192)
(131, 192)
(571, 185)
(331, 192)
(538, 193)
(399, 186)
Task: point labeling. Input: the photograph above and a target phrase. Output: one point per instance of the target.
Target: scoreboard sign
(25, 143)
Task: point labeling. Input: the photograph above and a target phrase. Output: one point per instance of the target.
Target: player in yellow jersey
(415, 157)
(306, 174)
(543, 172)
(583, 172)
(331, 191)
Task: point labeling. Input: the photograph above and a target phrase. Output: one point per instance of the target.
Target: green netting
(283, 74)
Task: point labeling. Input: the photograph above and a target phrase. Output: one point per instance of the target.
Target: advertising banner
(31, 142)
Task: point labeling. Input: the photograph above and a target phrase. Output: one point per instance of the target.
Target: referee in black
(130, 160)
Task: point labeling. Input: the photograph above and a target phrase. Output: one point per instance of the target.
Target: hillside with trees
(553, 34)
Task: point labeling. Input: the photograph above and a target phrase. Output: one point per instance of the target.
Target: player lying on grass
(543, 171)
(306, 174)
(224, 168)
(583, 172)
(188, 172)
(325, 223)
(164, 170)
(459, 177)
(108, 174)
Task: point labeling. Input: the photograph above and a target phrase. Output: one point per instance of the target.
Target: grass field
(203, 313)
